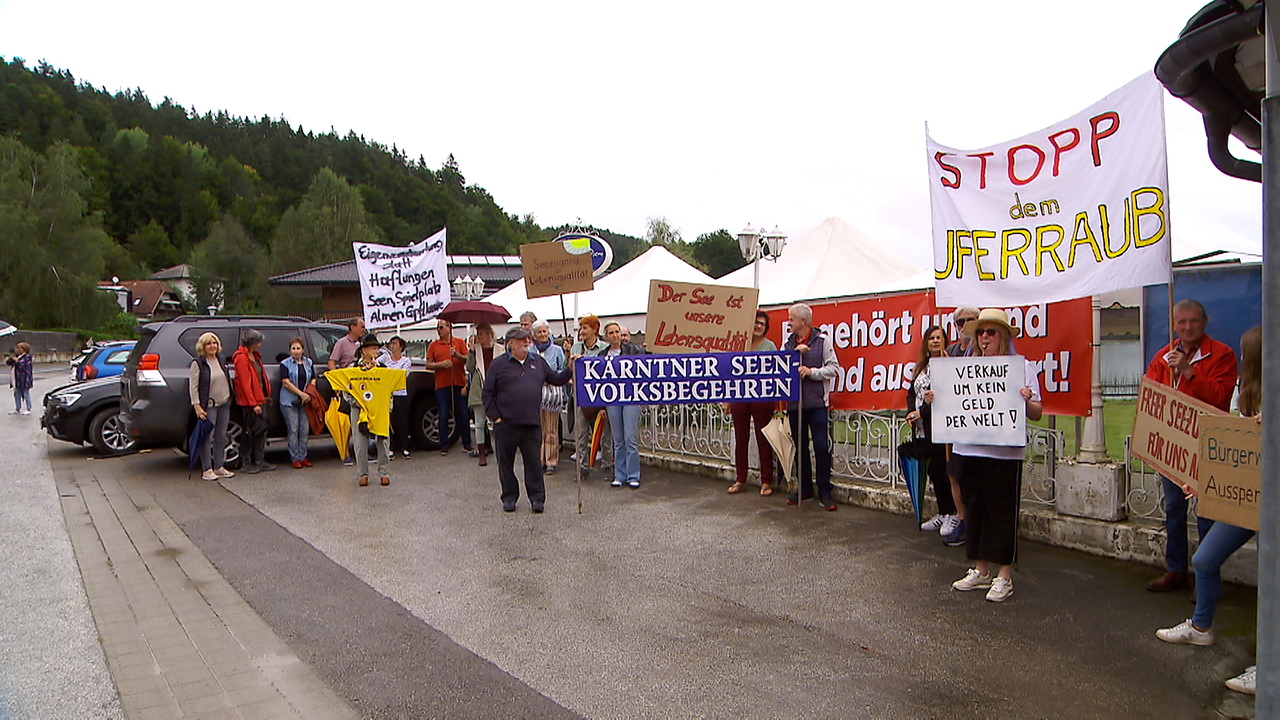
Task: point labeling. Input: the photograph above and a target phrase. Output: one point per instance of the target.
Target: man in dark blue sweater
(512, 394)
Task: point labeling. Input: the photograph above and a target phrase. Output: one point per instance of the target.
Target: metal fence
(864, 445)
(1144, 494)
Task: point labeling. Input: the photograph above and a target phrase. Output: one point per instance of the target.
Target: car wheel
(425, 428)
(235, 433)
(107, 433)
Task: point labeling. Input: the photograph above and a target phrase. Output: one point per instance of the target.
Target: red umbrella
(474, 311)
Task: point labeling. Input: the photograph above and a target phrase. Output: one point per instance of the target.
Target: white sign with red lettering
(1079, 208)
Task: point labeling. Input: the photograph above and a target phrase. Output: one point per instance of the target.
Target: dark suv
(155, 403)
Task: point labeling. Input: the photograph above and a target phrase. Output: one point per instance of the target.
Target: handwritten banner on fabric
(978, 400)
(1166, 431)
(681, 379)
(557, 267)
(402, 285)
(877, 340)
(1230, 488)
(695, 317)
(1079, 208)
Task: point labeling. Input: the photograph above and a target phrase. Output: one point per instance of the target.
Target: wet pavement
(674, 600)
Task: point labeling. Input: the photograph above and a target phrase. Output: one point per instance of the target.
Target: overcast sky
(714, 115)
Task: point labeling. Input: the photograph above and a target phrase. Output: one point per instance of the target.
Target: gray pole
(1266, 705)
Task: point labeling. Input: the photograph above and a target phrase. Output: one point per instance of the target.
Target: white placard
(1077, 209)
(402, 285)
(978, 400)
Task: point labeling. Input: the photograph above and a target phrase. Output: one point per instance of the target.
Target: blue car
(104, 360)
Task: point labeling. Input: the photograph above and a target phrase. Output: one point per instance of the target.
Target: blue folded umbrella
(913, 455)
(199, 434)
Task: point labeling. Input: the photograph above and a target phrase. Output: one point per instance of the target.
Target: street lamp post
(468, 288)
(755, 244)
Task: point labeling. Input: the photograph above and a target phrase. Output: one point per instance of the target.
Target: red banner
(877, 340)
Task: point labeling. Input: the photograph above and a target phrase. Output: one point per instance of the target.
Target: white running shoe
(222, 472)
(25, 412)
(972, 580)
(1186, 634)
(1000, 590)
(208, 475)
(934, 522)
(1246, 681)
(949, 525)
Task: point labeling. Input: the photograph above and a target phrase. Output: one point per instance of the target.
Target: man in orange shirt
(1205, 369)
(447, 356)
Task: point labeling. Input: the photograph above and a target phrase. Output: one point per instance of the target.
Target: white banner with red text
(1077, 209)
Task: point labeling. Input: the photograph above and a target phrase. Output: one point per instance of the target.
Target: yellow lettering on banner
(980, 252)
(1155, 208)
(1050, 249)
(1007, 252)
(961, 251)
(1105, 227)
(1082, 221)
(951, 257)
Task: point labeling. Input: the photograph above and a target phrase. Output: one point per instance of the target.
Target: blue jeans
(816, 426)
(451, 401)
(1175, 527)
(213, 454)
(624, 420)
(20, 394)
(1216, 545)
(297, 428)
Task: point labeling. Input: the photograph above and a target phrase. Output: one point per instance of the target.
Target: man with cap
(512, 394)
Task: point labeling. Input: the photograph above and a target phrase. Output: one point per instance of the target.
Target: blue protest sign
(677, 379)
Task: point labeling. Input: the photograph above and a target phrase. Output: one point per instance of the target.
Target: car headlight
(67, 399)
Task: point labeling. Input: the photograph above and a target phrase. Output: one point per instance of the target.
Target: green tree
(658, 231)
(718, 252)
(320, 229)
(152, 248)
(53, 248)
(230, 268)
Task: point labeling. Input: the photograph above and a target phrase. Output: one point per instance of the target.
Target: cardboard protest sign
(1079, 208)
(978, 400)
(556, 267)
(402, 285)
(1166, 431)
(696, 317)
(1230, 470)
(677, 379)
(877, 339)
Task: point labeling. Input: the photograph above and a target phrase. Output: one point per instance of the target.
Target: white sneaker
(25, 412)
(1186, 634)
(1000, 590)
(223, 473)
(1245, 682)
(933, 523)
(972, 580)
(209, 475)
(949, 525)
(13, 412)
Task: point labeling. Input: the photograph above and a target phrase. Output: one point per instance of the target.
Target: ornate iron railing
(864, 445)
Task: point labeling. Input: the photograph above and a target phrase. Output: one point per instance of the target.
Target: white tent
(831, 260)
(622, 295)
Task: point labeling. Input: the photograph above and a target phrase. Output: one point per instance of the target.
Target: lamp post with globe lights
(757, 243)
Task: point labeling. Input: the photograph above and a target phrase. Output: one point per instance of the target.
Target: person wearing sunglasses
(991, 475)
(952, 531)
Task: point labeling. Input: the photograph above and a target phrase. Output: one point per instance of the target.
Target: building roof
(177, 272)
(497, 271)
(147, 296)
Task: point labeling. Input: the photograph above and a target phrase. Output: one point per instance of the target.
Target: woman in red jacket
(252, 395)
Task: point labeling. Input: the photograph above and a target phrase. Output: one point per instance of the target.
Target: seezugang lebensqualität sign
(678, 379)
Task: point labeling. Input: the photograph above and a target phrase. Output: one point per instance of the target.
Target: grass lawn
(1117, 418)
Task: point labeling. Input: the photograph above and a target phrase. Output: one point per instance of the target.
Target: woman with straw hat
(991, 476)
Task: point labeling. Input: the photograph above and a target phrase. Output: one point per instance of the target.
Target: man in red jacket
(252, 395)
(1205, 369)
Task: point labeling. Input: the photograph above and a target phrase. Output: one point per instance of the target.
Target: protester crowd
(514, 397)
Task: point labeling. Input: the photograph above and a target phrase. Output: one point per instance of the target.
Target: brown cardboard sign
(555, 268)
(1166, 431)
(1230, 470)
(697, 317)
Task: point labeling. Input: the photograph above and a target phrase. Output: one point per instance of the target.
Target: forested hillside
(95, 184)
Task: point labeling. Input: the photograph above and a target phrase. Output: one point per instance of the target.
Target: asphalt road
(423, 599)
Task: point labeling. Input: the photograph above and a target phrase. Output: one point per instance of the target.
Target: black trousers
(938, 476)
(991, 490)
(399, 423)
(528, 439)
